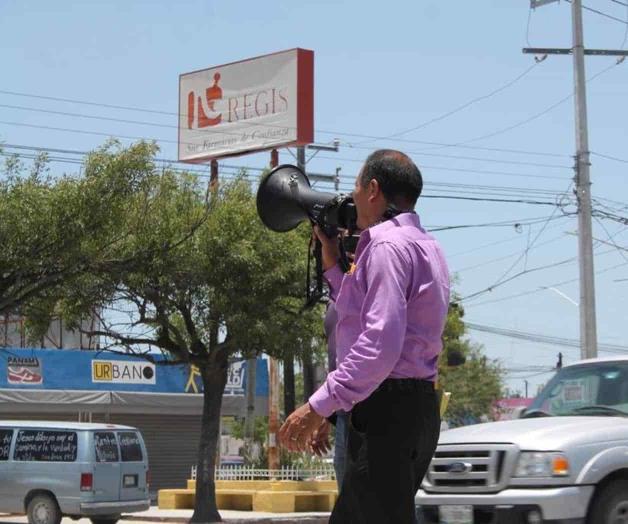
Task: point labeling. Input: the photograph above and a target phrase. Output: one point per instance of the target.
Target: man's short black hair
(397, 175)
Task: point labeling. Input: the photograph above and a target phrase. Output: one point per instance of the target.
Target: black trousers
(392, 438)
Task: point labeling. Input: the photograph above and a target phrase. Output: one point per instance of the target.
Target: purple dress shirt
(392, 307)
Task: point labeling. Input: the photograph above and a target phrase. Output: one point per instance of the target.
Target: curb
(260, 520)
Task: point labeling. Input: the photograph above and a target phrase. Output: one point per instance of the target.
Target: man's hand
(331, 253)
(299, 427)
(319, 443)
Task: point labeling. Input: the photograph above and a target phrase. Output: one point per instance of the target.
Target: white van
(52, 469)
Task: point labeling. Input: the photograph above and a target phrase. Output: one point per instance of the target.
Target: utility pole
(588, 329)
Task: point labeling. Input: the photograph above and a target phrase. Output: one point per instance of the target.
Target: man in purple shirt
(392, 306)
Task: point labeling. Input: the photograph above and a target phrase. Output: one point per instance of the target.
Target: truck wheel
(43, 509)
(105, 520)
(611, 504)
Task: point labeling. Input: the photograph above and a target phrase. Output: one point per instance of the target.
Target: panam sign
(247, 106)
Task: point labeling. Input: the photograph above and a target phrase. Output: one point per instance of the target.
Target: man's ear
(373, 189)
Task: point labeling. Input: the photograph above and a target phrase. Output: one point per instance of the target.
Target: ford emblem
(459, 467)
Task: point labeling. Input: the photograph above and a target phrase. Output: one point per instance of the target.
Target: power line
(455, 169)
(609, 157)
(601, 13)
(524, 272)
(517, 275)
(529, 119)
(463, 106)
(533, 291)
(509, 223)
(545, 339)
(490, 244)
(459, 188)
(438, 196)
(506, 257)
(336, 133)
(165, 141)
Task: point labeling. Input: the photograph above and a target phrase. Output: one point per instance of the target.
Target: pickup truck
(564, 461)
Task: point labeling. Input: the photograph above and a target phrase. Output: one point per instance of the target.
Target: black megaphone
(285, 198)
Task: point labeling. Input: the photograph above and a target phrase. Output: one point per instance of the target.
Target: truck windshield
(599, 388)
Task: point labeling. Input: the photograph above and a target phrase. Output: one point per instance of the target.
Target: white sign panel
(247, 106)
(123, 372)
(235, 379)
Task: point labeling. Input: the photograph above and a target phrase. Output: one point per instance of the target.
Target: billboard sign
(247, 106)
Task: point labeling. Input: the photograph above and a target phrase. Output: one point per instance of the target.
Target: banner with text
(99, 370)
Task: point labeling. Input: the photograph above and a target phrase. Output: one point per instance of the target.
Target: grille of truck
(470, 468)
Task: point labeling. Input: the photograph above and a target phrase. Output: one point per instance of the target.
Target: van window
(6, 435)
(106, 446)
(130, 447)
(45, 446)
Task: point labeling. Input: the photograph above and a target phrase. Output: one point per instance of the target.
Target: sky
(483, 121)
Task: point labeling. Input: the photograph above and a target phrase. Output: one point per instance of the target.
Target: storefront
(164, 402)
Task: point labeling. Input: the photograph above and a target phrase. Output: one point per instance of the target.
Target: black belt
(406, 384)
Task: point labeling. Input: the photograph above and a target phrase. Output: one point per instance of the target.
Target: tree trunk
(289, 394)
(308, 377)
(214, 376)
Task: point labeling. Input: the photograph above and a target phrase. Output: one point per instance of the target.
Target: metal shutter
(172, 443)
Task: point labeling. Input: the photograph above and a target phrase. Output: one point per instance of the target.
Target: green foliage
(55, 230)
(177, 262)
(475, 385)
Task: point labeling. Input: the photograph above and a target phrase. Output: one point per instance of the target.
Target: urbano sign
(247, 106)
(123, 372)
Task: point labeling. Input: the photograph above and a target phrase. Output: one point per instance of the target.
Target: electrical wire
(529, 119)
(455, 169)
(545, 339)
(601, 13)
(336, 133)
(453, 187)
(506, 257)
(165, 141)
(609, 157)
(233, 175)
(461, 107)
(533, 291)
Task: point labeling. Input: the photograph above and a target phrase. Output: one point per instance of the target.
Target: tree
(474, 385)
(230, 289)
(53, 230)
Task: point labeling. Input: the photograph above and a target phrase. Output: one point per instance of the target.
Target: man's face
(361, 200)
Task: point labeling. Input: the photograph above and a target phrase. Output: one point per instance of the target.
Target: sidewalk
(181, 516)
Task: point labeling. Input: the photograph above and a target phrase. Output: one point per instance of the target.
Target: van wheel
(105, 520)
(611, 504)
(43, 509)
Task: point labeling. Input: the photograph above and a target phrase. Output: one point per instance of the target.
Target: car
(52, 469)
(565, 460)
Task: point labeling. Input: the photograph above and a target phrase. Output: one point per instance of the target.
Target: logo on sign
(123, 372)
(235, 379)
(197, 114)
(24, 371)
(205, 110)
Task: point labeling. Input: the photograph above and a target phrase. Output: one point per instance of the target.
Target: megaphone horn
(285, 199)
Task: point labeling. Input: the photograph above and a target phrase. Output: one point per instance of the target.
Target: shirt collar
(410, 219)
